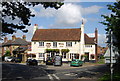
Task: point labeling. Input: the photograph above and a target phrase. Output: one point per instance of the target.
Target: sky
(70, 15)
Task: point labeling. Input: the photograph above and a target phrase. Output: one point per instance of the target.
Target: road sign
(107, 56)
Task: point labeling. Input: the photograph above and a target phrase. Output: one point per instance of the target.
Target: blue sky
(70, 16)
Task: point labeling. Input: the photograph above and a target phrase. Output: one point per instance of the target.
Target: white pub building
(69, 43)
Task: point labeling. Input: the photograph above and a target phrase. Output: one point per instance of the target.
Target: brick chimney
(5, 39)
(24, 37)
(96, 35)
(96, 45)
(13, 37)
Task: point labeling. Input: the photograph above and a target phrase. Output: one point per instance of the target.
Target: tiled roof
(56, 35)
(17, 41)
(21, 49)
(8, 43)
(89, 40)
(60, 35)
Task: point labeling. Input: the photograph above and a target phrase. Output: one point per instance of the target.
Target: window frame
(64, 55)
(68, 44)
(54, 44)
(41, 55)
(41, 43)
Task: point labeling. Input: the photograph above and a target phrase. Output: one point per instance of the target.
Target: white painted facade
(78, 47)
(75, 49)
(91, 49)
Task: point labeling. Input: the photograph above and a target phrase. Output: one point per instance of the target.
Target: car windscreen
(74, 60)
(9, 57)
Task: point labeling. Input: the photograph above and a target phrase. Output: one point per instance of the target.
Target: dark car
(32, 62)
(16, 59)
(49, 61)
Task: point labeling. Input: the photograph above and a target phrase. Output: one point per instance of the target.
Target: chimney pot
(36, 24)
(13, 37)
(35, 28)
(24, 37)
(5, 39)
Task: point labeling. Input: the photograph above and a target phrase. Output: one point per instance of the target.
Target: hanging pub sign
(61, 44)
(48, 45)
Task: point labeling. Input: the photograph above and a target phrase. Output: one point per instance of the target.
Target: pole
(111, 65)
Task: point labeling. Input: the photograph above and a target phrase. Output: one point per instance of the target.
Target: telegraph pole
(109, 42)
(111, 63)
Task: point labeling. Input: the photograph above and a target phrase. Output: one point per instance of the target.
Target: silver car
(8, 58)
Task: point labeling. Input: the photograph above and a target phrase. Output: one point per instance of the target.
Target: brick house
(17, 46)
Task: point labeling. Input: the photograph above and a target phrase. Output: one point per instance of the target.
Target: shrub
(83, 56)
(92, 56)
(52, 50)
(65, 50)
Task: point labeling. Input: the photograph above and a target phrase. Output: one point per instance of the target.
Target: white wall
(61, 45)
(91, 49)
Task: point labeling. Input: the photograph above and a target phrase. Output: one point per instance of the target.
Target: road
(42, 72)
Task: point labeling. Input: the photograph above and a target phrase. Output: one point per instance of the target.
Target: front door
(87, 57)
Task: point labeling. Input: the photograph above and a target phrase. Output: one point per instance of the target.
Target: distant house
(101, 50)
(76, 41)
(17, 46)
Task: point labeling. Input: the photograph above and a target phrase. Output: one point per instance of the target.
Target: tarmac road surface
(22, 72)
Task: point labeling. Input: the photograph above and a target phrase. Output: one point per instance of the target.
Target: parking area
(66, 66)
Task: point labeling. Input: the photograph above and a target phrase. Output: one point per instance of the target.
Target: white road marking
(71, 74)
(56, 77)
(50, 77)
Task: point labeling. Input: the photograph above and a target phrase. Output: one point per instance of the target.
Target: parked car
(8, 58)
(49, 61)
(31, 62)
(16, 59)
(76, 62)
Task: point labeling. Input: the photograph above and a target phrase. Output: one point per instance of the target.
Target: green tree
(21, 11)
(113, 22)
(7, 53)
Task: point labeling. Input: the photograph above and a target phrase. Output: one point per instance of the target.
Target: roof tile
(60, 35)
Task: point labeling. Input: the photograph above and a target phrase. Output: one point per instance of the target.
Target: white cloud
(40, 11)
(101, 38)
(69, 15)
(91, 34)
(90, 10)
